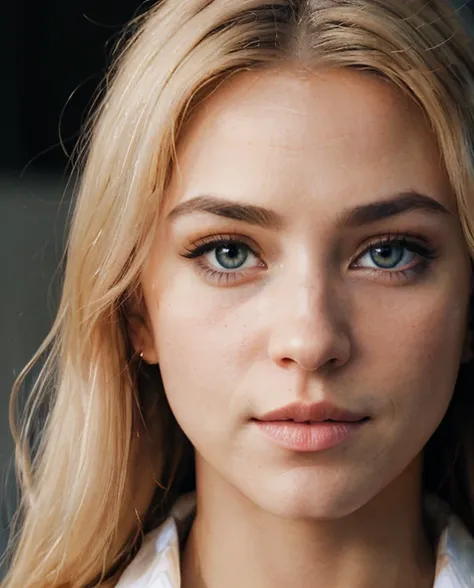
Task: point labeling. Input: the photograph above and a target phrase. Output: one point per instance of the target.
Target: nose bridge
(314, 302)
(309, 324)
(311, 295)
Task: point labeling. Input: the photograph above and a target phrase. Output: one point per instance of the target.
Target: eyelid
(200, 246)
(198, 250)
(419, 245)
(424, 255)
(416, 243)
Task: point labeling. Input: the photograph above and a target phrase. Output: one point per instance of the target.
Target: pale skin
(309, 316)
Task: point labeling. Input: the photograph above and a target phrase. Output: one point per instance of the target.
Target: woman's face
(309, 252)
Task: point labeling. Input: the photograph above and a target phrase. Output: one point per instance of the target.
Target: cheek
(201, 341)
(416, 355)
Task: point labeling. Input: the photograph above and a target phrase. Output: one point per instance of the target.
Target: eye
(229, 256)
(389, 255)
(400, 256)
(224, 259)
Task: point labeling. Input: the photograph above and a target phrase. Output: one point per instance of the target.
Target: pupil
(231, 250)
(384, 251)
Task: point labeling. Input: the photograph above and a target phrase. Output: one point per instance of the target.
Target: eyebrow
(399, 204)
(247, 213)
(263, 217)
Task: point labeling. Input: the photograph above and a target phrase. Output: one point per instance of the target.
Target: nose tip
(311, 349)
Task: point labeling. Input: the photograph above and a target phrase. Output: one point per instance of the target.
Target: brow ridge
(248, 213)
(402, 202)
(365, 214)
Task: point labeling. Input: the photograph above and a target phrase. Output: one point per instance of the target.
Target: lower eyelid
(222, 277)
(404, 274)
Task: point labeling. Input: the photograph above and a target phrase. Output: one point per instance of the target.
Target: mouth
(312, 413)
(310, 427)
(309, 436)
(309, 422)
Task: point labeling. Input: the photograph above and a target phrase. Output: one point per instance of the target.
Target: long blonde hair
(107, 463)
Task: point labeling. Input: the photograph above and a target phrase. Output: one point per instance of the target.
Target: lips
(313, 427)
(312, 413)
(316, 422)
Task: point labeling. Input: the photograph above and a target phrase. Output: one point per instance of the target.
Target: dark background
(54, 54)
(54, 57)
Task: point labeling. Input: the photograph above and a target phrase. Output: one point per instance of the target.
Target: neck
(233, 543)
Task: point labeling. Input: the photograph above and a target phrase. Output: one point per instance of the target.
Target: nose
(309, 329)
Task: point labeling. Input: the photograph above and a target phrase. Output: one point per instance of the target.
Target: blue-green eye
(388, 256)
(225, 254)
(230, 256)
(392, 254)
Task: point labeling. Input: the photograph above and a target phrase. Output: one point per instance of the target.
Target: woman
(266, 299)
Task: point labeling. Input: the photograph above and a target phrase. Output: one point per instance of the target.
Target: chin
(302, 494)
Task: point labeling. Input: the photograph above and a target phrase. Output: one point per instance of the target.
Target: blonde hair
(91, 486)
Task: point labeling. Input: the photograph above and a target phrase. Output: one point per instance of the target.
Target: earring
(141, 354)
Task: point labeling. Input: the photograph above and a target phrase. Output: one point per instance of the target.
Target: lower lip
(306, 437)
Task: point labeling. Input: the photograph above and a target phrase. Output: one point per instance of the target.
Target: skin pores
(308, 308)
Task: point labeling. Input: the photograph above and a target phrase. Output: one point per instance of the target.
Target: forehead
(328, 133)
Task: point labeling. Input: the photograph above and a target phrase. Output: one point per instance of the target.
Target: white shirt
(157, 563)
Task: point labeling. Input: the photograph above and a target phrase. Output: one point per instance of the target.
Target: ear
(141, 336)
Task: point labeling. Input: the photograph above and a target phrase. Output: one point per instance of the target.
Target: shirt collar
(455, 547)
(157, 563)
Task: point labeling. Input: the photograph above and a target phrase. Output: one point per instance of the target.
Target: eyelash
(207, 244)
(211, 242)
(425, 253)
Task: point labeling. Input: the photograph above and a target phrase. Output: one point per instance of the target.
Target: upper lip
(315, 412)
